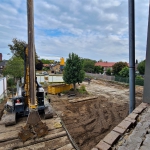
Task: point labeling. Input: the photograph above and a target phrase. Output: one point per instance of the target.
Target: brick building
(106, 65)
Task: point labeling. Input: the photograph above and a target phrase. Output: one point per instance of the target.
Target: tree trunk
(74, 86)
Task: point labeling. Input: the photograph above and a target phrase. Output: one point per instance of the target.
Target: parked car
(45, 73)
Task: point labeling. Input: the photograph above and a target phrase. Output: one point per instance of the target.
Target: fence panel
(100, 76)
(3, 87)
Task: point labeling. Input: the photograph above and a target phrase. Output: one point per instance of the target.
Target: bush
(82, 90)
(108, 72)
(139, 77)
(11, 82)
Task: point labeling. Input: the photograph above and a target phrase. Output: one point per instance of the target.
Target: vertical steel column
(31, 52)
(131, 55)
(146, 94)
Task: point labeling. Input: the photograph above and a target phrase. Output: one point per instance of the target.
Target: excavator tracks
(56, 139)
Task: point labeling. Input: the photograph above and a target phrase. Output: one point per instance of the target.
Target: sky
(94, 29)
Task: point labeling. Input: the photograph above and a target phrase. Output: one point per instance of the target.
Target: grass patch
(82, 90)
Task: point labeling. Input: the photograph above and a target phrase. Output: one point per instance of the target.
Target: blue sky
(95, 29)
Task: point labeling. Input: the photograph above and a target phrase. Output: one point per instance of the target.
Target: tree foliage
(73, 71)
(108, 72)
(14, 67)
(124, 72)
(141, 67)
(39, 65)
(117, 67)
(47, 61)
(98, 69)
(17, 48)
(89, 65)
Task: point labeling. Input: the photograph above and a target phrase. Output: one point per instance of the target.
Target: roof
(105, 64)
(46, 65)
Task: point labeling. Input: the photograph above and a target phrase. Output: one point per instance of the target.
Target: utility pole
(131, 54)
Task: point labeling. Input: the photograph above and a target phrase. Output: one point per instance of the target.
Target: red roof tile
(46, 65)
(105, 64)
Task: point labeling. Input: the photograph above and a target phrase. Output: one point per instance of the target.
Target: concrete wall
(50, 78)
(3, 87)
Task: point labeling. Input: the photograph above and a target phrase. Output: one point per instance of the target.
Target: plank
(51, 144)
(51, 123)
(16, 143)
(82, 99)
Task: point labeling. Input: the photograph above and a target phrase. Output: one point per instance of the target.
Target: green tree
(141, 67)
(117, 67)
(73, 71)
(17, 48)
(89, 65)
(39, 65)
(98, 69)
(108, 72)
(14, 67)
(100, 60)
(46, 61)
(124, 72)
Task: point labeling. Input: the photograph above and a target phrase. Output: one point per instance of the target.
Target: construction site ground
(88, 118)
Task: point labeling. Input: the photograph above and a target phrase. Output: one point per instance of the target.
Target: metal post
(131, 55)
(146, 94)
(31, 51)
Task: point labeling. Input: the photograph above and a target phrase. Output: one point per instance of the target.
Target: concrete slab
(103, 146)
(111, 137)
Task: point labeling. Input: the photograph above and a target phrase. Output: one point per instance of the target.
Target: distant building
(106, 65)
(2, 65)
(0, 56)
(55, 68)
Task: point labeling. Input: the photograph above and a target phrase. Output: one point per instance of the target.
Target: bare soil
(89, 121)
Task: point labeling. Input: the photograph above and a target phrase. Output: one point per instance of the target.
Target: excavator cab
(16, 105)
(19, 105)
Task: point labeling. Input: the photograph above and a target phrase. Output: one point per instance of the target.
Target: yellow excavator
(31, 100)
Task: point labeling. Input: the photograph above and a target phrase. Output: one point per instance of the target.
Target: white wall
(3, 87)
(50, 78)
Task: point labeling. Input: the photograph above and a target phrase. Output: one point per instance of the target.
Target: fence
(100, 76)
(126, 80)
(3, 87)
(113, 78)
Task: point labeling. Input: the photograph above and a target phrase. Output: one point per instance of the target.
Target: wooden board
(56, 139)
(82, 99)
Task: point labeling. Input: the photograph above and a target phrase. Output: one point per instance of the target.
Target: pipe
(131, 54)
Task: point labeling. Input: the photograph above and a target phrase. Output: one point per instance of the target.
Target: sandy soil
(89, 121)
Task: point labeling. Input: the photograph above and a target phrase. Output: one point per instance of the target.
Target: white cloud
(95, 29)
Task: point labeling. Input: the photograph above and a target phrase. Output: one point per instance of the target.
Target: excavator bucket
(33, 128)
